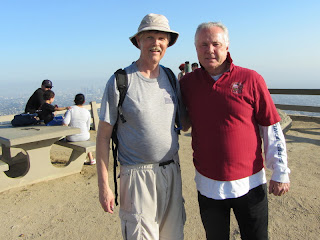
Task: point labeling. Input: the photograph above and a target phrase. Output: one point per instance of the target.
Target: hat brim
(174, 36)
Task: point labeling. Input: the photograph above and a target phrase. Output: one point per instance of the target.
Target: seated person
(36, 100)
(47, 111)
(79, 117)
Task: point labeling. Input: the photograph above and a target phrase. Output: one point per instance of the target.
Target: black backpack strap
(173, 82)
(122, 86)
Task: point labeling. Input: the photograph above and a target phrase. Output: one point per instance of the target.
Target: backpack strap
(122, 86)
(173, 82)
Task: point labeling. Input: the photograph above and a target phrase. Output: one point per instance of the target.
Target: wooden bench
(80, 149)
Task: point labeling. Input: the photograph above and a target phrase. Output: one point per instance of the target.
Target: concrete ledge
(85, 146)
(3, 166)
(286, 121)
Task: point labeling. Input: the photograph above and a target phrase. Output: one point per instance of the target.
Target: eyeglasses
(48, 87)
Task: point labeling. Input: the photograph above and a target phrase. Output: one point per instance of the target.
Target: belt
(166, 163)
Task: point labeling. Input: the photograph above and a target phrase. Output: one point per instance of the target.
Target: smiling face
(153, 45)
(212, 49)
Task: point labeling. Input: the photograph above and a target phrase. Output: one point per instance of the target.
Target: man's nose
(156, 41)
(210, 48)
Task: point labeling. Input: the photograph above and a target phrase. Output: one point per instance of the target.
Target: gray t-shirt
(148, 135)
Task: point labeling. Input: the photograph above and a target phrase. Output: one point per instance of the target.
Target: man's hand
(106, 199)
(278, 188)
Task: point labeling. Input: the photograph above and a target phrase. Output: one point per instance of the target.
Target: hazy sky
(82, 42)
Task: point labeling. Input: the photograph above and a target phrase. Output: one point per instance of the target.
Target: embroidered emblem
(236, 87)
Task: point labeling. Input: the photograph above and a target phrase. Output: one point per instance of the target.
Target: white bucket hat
(155, 22)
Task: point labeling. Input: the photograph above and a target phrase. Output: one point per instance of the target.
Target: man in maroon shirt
(228, 106)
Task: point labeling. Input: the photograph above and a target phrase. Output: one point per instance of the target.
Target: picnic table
(36, 141)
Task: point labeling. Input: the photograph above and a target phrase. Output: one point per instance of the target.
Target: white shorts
(151, 202)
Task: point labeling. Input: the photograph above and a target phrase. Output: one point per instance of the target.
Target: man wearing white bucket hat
(151, 202)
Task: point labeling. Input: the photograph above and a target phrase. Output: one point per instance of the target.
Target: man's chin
(211, 66)
(156, 58)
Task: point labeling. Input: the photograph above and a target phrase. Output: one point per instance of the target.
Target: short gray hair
(213, 24)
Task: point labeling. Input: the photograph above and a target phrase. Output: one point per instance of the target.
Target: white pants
(151, 202)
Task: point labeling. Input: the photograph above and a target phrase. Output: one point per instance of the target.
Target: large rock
(286, 121)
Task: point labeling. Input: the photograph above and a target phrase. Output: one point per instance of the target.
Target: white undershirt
(275, 160)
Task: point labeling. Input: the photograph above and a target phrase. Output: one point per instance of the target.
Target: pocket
(257, 195)
(126, 191)
(130, 225)
(184, 215)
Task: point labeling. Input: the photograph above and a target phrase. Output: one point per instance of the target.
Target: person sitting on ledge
(79, 117)
(47, 110)
(36, 100)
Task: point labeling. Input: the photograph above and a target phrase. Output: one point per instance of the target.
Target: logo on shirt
(236, 87)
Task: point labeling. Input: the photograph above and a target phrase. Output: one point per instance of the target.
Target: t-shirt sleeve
(67, 118)
(266, 113)
(109, 103)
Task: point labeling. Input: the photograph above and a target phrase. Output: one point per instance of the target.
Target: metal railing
(298, 108)
(94, 106)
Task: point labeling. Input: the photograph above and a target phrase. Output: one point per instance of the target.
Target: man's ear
(138, 41)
